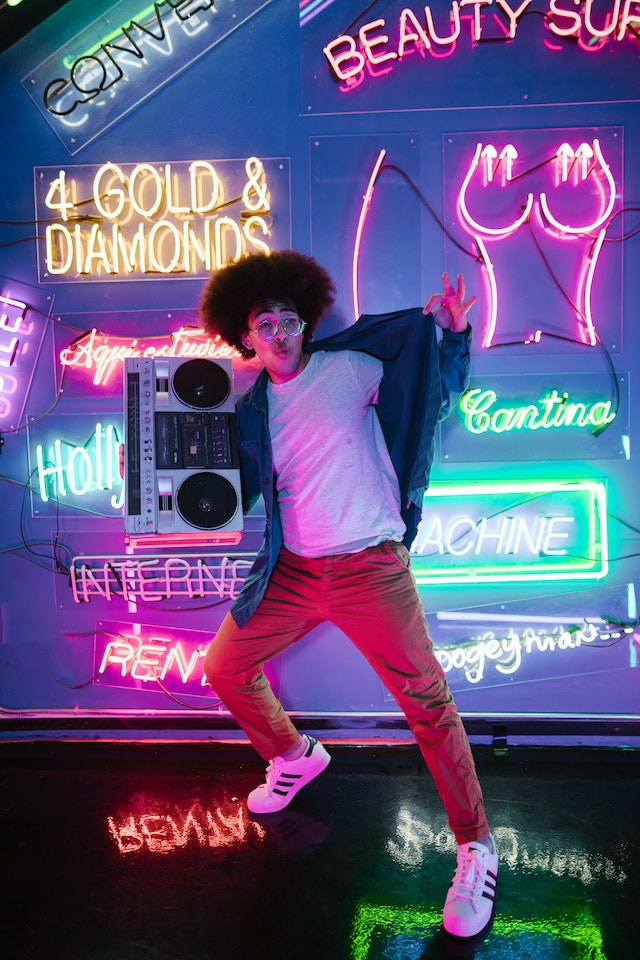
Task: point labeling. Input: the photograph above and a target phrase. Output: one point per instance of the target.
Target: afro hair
(284, 275)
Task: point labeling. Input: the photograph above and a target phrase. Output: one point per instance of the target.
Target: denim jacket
(423, 378)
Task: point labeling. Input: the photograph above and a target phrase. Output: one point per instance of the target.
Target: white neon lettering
(507, 535)
(507, 653)
(549, 549)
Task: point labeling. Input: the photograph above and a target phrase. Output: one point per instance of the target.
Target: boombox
(181, 469)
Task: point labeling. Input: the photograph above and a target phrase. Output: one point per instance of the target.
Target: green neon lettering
(551, 411)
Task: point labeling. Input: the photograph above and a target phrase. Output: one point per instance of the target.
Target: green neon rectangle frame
(594, 566)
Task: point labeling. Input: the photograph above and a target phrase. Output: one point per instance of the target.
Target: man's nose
(280, 334)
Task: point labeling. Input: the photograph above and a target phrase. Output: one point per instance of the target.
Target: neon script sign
(102, 356)
(552, 411)
(378, 46)
(511, 532)
(141, 220)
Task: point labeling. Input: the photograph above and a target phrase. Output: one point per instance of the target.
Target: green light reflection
(577, 937)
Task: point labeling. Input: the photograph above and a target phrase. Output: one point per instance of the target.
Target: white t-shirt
(337, 489)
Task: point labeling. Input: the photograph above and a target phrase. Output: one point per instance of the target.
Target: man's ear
(246, 341)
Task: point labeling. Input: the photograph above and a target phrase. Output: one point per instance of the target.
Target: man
(337, 436)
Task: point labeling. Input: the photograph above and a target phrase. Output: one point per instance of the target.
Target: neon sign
(66, 470)
(103, 355)
(131, 50)
(156, 660)
(505, 652)
(512, 532)
(581, 174)
(131, 221)
(552, 411)
(154, 579)
(348, 58)
(21, 334)
(164, 832)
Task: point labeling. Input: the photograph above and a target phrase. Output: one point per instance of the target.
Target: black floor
(140, 852)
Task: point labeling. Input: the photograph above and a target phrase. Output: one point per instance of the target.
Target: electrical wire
(429, 208)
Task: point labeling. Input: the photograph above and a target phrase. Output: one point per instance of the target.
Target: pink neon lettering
(443, 41)
(336, 60)
(369, 43)
(477, 17)
(417, 35)
(628, 18)
(610, 20)
(570, 15)
(513, 15)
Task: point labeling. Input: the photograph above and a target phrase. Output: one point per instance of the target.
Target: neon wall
(147, 146)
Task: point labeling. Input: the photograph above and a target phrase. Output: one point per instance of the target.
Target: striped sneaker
(286, 777)
(469, 904)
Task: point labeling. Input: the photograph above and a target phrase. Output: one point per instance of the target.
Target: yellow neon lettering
(252, 224)
(100, 192)
(199, 170)
(59, 186)
(149, 177)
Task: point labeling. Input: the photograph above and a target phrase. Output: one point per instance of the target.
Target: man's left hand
(450, 308)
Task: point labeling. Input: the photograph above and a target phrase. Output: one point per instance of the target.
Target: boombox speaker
(182, 476)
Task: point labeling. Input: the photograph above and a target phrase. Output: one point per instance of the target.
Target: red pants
(372, 597)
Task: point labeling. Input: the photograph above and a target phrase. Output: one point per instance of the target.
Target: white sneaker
(469, 904)
(286, 777)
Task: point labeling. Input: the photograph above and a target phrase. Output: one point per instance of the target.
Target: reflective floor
(140, 852)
